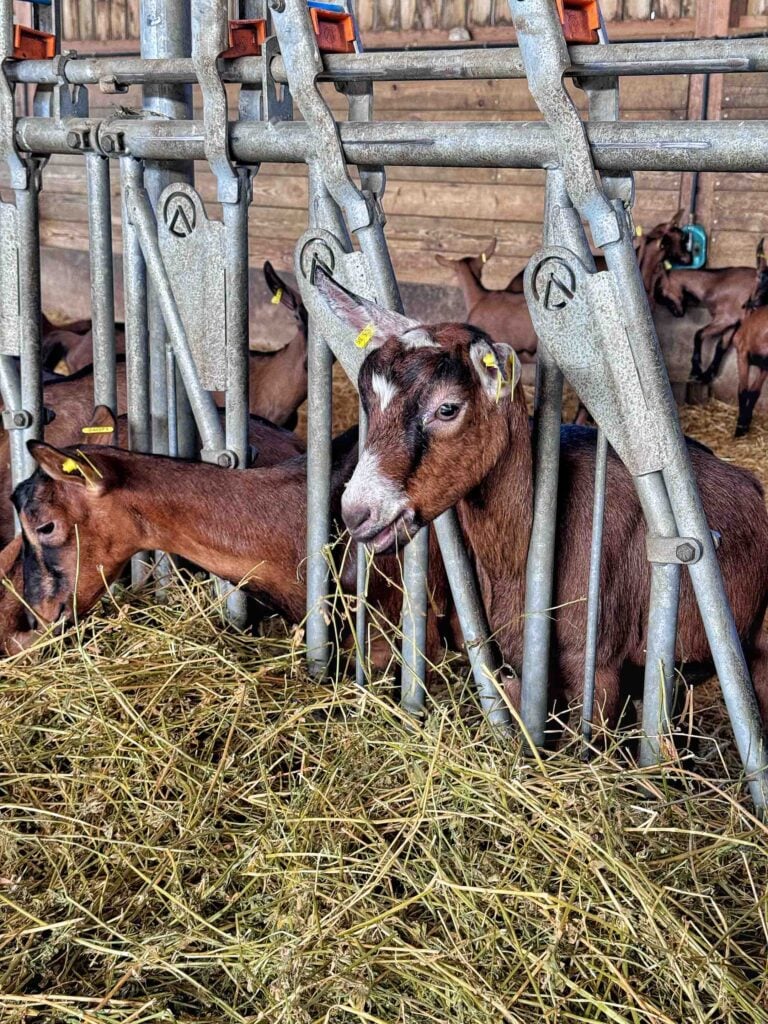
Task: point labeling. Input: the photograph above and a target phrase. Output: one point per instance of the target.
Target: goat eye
(447, 411)
(46, 529)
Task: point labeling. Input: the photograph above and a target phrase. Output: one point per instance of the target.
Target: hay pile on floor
(193, 831)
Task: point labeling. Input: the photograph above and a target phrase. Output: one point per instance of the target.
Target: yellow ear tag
(667, 265)
(276, 298)
(489, 360)
(483, 257)
(97, 430)
(70, 466)
(512, 367)
(365, 336)
(639, 231)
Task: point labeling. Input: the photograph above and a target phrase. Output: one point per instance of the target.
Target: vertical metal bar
(471, 613)
(102, 280)
(593, 593)
(237, 411)
(236, 254)
(319, 429)
(662, 623)
(136, 332)
(165, 32)
(416, 556)
(10, 389)
(534, 686)
(362, 579)
(136, 337)
(27, 209)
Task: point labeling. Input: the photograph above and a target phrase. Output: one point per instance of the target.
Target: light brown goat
(447, 426)
(751, 344)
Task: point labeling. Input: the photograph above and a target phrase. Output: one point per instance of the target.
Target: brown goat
(71, 399)
(433, 395)
(277, 380)
(723, 293)
(15, 632)
(87, 510)
(751, 344)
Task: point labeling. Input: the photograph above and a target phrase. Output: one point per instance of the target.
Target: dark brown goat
(435, 394)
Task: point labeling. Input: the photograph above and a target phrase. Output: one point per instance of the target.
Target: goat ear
(102, 428)
(760, 254)
(67, 468)
(374, 323)
(498, 368)
(678, 216)
(281, 291)
(444, 261)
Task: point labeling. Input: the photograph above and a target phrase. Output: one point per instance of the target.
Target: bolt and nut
(685, 552)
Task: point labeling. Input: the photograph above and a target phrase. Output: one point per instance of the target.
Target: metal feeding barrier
(182, 343)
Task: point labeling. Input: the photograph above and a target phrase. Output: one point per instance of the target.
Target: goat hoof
(741, 431)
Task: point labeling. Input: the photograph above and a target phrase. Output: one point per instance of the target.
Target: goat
(434, 394)
(751, 345)
(71, 399)
(277, 380)
(87, 510)
(15, 632)
(722, 292)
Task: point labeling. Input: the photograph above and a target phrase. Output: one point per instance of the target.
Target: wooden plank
(118, 19)
(407, 14)
(741, 182)
(732, 248)
(500, 31)
(715, 17)
(453, 14)
(102, 20)
(70, 22)
(743, 210)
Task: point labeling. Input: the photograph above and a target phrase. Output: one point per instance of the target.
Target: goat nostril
(356, 516)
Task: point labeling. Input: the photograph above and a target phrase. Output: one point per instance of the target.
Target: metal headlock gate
(181, 343)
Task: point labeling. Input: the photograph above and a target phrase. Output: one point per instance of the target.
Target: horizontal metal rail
(616, 145)
(685, 57)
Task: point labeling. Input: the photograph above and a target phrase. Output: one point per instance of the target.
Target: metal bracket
(349, 269)
(578, 317)
(192, 248)
(304, 63)
(373, 178)
(210, 39)
(61, 100)
(276, 99)
(673, 550)
(16, 419)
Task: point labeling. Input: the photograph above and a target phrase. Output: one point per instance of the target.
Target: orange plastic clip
(30, 44)
(335, 32)
(580, 20)
(246, 37)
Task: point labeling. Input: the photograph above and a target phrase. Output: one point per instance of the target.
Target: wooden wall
(456, 211)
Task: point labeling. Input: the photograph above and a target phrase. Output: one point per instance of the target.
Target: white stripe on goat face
(369, 486)
(384, 389)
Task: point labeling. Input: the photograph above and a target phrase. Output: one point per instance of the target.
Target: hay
(192, 830)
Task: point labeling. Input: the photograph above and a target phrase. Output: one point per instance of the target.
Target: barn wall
(451, 211)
